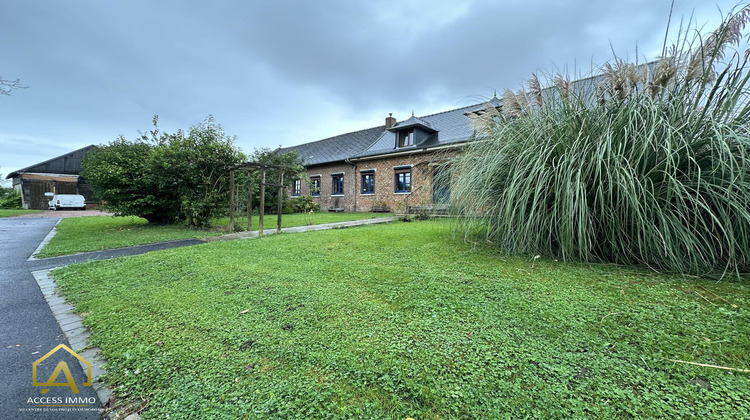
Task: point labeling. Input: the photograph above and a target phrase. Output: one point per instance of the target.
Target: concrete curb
(77, 335)
(44, 242)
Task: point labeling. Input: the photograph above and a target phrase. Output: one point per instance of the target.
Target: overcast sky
(288, 72)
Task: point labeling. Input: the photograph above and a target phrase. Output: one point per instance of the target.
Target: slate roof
(448, 127)
(337, 148)
(412, 122)
(451, 127)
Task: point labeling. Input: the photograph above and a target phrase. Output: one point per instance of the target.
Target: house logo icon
(63, 368)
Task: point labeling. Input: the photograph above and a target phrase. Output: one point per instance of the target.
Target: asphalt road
(28, 330)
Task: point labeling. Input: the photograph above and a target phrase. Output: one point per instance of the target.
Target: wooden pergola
(250, 168)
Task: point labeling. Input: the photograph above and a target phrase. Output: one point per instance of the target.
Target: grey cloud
(271, 71)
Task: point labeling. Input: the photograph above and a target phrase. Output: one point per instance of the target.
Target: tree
(6, 86)
(165, 178)
(9, 197)
(122, 176)
(199, 164)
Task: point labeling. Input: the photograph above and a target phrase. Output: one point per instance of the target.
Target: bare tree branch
(6, 86)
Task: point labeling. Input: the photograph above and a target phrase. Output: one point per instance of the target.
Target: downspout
(355, 181)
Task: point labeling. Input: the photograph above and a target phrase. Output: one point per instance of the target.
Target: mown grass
(95, 233)
(15, 212)
(402, 320)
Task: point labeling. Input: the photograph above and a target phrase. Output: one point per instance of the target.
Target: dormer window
(406, 138)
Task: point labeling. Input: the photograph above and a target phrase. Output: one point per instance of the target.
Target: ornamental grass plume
(664, 72)
(636, 167)
(523, 101)
(535, 89)
(713, 48)
(563, 86)
(622, 78)
(511, 107)
(484, 123)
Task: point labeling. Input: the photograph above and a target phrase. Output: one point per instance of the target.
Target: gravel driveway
(63, 214)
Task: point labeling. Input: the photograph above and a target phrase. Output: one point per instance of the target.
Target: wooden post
(231, 200)
(280, 207)
(249, 203)
(262, 200)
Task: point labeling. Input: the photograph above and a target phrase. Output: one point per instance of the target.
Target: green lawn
(17, 212)
(95, 233)
(402, 320)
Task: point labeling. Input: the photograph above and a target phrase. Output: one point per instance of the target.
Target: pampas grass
(535, 89)
(648, 167)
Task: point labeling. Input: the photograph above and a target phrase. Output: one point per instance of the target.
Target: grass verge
(96, 233)
(17, 212)
(401, 320)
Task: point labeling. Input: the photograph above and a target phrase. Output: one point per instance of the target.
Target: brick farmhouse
(393, 167)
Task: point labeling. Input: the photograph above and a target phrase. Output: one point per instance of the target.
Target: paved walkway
(298, 229)
(42, 263)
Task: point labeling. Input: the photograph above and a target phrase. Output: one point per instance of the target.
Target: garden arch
(251, 168)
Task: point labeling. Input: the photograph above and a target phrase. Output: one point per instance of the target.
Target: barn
(59, 175)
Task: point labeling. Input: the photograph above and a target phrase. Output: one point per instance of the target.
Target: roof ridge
(452, 110)
(383, 126)
(337, 135)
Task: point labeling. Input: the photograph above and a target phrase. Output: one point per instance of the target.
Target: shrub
(302, 204)
(165, 178)
(649, 166)
(10, 199)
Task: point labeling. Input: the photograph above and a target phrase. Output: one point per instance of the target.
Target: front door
(441, 181)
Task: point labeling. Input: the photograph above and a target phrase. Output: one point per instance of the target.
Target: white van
(67, 201)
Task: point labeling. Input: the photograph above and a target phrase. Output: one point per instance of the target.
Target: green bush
(301, 204)
(648, 167)
(10, 199)
(166, 178)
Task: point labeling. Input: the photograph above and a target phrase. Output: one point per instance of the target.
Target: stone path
(298, 229)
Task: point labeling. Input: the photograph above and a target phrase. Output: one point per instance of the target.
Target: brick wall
(326, 199)
(422, 166)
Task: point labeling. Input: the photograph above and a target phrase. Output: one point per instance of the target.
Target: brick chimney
(389, 121)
